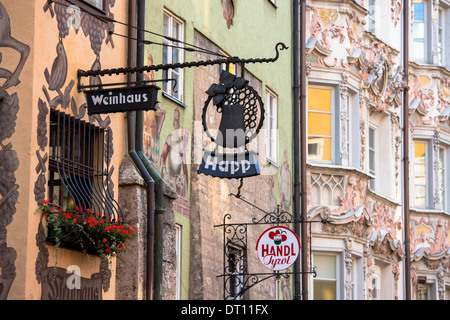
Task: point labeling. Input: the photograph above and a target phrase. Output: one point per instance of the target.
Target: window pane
(324, 290)
(420, 174)
(371, 138)
(166, 25)
(422, 293)
(176, 30)
(96, 3)
(325, 285)
(326, 266)
(418, 50)
(319, 148)
(419, 30)
(420, 152)
(319, 124)
(442, 186)
(419, 11)
(372, 161)
(319, 99)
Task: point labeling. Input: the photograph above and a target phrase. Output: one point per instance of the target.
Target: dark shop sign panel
(230, 166)
(125, 99)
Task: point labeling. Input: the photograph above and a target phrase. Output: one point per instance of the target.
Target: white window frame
(168, 50)
(271, 127)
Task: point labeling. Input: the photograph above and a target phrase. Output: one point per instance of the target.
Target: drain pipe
(158, 217)
(406, 148)
(149, 182)
(159, 226)
(303, 152)
(296, 127)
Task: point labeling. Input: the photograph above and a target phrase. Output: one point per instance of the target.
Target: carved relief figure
(7, 41)
(9, 108)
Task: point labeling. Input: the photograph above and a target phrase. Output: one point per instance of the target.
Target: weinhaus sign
(278, 248)
(141, 98)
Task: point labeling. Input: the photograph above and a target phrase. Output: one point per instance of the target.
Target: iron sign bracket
(128, 70)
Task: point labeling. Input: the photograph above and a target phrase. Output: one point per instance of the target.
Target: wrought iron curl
(236, 233)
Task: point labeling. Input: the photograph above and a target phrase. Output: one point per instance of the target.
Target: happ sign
(278, 248)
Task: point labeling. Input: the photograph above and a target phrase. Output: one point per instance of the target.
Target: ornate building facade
(355, 85)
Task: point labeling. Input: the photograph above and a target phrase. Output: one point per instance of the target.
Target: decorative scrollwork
(277, 217)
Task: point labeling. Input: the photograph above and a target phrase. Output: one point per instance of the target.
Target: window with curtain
(173, 53)
(320, 100)
(420, 174)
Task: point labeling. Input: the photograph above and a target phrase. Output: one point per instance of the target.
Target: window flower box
(86, 231)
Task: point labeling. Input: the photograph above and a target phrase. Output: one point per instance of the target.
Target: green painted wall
(256, 28)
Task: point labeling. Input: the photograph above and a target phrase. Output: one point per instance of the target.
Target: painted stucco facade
(354, 173)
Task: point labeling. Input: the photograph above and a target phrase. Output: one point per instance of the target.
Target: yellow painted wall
(33, 26)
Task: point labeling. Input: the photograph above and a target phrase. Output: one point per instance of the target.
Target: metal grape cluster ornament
(242, 117)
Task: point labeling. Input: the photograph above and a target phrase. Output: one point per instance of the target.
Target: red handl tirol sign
(278, 248)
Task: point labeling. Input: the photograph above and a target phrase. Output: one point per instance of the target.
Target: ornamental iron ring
(239, 105)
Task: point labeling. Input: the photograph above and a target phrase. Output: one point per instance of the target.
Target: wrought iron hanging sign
(242, 113)
(121, 99)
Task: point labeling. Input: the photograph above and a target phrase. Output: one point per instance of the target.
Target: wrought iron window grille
(237, 279)
(79, 165)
